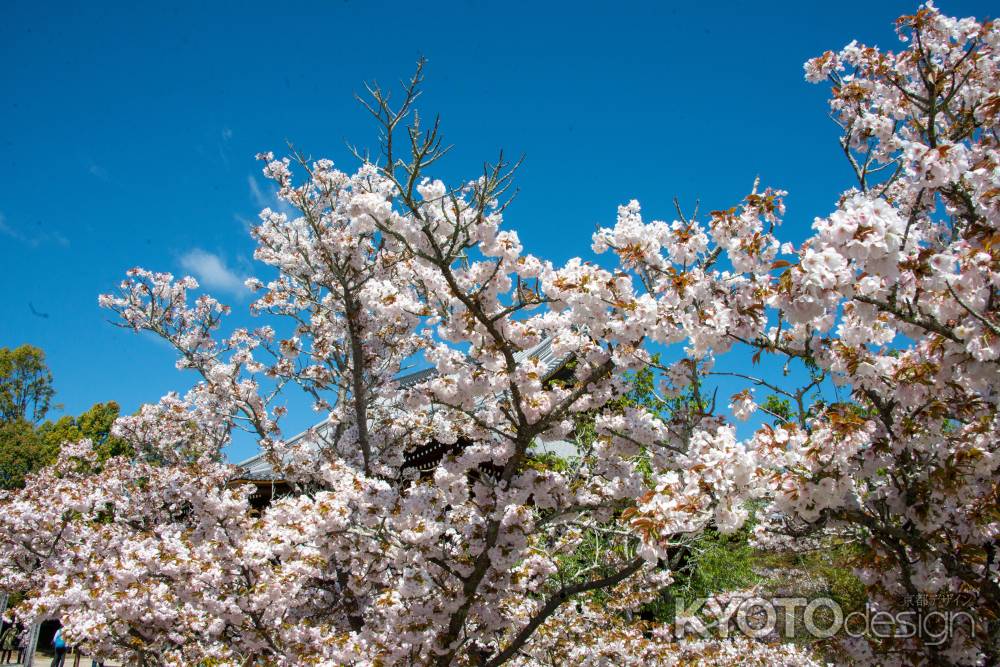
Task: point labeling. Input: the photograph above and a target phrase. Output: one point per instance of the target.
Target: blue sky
(128, 130)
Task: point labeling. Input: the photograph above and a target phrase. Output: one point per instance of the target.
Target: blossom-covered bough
(896, 296)
(892, 302)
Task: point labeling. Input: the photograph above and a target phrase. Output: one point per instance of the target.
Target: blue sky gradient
(127, 133)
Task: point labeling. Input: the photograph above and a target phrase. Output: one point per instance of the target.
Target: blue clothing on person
(59, 659)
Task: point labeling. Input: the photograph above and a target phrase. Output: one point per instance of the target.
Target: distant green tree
(94, 424)
(25, 384)
(22, 451)
(26, 393)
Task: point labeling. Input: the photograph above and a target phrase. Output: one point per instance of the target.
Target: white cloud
(98, 172)
(32, 240)
(246, 223)
(212, 272)
(7, 230)
(260, 200)
(268, 198)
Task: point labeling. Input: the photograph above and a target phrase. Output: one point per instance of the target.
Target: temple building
(258, 471)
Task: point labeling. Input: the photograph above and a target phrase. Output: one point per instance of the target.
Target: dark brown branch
(556, 601)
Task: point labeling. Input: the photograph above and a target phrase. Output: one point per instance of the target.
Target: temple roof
(258, 469)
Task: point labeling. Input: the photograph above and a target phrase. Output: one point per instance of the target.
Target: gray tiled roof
(257, 468)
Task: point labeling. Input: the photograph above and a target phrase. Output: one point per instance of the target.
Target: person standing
(59, 644)
(19, 643)
(8, 642)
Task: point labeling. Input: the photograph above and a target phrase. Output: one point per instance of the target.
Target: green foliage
(547, 461)
(22, 451)
(641, 394)
(712, 563)
(832, 565)
(778, 407)
(25, 448)
(25, 398)
(94, 424)
(718, 562)
(715, 563)
(25, 384)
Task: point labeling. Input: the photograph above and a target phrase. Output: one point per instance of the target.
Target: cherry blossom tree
(895, 298)
(891, 303)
